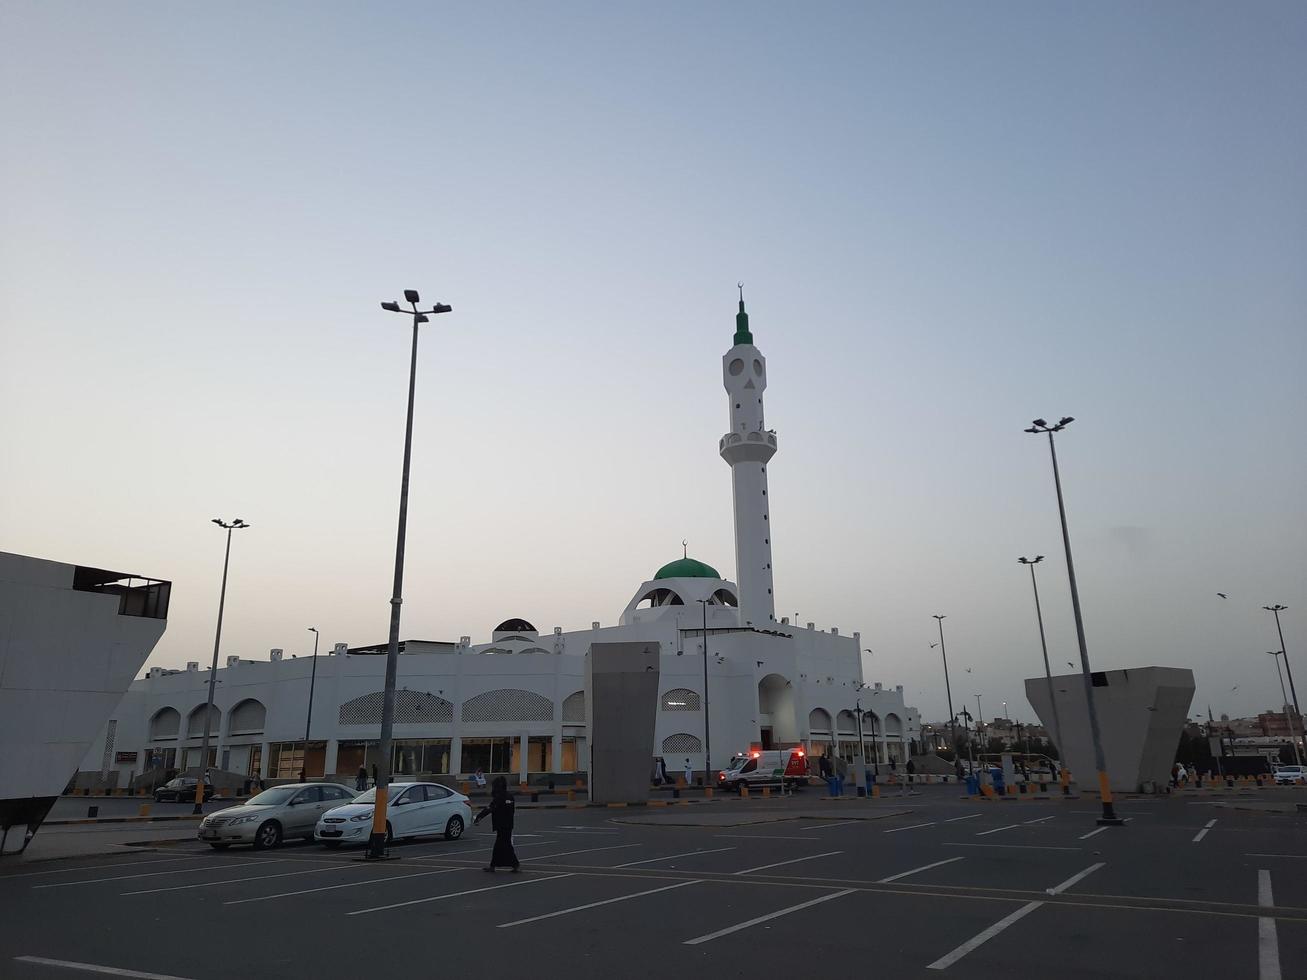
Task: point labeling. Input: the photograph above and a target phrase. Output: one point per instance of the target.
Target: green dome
(686, 568)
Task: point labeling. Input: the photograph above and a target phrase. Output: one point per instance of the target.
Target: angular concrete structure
(621, 713)
(1141, 712)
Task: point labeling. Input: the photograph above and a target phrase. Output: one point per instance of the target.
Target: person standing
(689, 774)
(662, 768)
(500, 809)
(361, 780)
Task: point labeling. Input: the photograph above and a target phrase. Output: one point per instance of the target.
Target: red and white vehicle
(765, 768)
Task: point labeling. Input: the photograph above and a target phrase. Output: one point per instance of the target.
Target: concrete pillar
(524, 763)
(556, 756)
(224, 733)
(329, 758)
(264, 751)
(455, 754)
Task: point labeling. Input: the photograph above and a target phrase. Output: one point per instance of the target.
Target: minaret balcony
(743, 447)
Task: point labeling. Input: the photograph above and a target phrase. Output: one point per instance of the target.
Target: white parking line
(915, 826)
(969, 816)
(924, 867)
(837, 823)
(1092, 833)
(1303, 856)
(944, 962)
(1203, 833)
(986, 833)
(766, 918)
(1039, 819)
(761, 837)
(594, 905)
(1081, 876)
(584, 850)
(1268, 945)
(240, 881)
(810, 857)
(1028, 847)
(537, 843)
(348, 884)
(470, 891)
(153, 874)
(101, 867)
(668, 857)
(112, 971)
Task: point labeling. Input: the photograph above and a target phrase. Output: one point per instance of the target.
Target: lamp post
(1043, 644)
(966, 723)
(707, 743)
(1109, 817)
(1276, 610)
(308, 718)
(377, 839)
(980, 727)
(1284, 699)
(948, 691)
(228, 526)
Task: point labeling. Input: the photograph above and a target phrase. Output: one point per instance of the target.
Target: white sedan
(412, 810)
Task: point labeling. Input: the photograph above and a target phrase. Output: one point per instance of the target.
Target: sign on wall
(120, 758)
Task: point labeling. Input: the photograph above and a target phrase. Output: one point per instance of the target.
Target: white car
(412, 810)
(1289, 775)
(289, 810)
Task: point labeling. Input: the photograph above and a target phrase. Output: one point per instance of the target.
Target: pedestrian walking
(689, 774)
(361, 780)
(662, 768)
(912, 770)
(500, 809)
(657, 776)
(374, 774)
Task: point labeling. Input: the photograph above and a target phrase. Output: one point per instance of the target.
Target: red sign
(120, 757)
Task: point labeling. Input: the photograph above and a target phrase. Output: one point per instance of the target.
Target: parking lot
(914, 886)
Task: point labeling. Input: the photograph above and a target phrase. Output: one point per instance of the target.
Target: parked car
(765, 768)
(1289, 775)
(291, 810)
(412, 810)
(182, 790)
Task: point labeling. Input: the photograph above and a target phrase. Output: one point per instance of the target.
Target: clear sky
(950, 219)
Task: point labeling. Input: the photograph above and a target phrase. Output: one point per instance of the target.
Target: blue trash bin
(973, 784)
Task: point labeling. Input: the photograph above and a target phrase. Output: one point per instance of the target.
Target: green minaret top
(742, 334)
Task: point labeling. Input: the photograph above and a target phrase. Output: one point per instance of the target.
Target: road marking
(924, 867)
(766, 918)
(1039, 819)
(1081, 876)
(348, 884)
(915, 826)
(969, 816)
(593, 905)
(986, 833)
(837, 823)
(1030, 847)
(151, 874)
(944, 962)
(584, 850)
(810, 857)
(1302, 856)
(632, 864)
(112, 971)
(470, 891)
(1203, 833)
(760, 837)
(101, 867)
(538, 843)
(239, 881)
(1092, 832)
(1268, 945)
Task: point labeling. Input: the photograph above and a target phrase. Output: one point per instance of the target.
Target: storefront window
(286, 759)
(568, 761)
(488, 754)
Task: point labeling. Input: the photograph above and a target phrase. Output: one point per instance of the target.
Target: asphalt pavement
(921, 886)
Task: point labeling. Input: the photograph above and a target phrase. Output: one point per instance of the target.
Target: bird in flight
(1071, 665)
(1223, 595)
(933, 645)
(968, 670)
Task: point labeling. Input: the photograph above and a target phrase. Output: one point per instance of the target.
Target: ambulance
(765, 768)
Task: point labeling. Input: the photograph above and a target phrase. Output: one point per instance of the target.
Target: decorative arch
(679, 699)
(819, 721)
(195, 721)
(893, 724)
(659, 597)
(508, 704)
(165, 723)
(411, 708)
(725, 597)
(247, 717)
(847, 722)
(776, 708)
(574, 708)
(681, 743)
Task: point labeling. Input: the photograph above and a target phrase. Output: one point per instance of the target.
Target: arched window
(681, 743)
(680, 699)
(848, 725)
(165, 724)
(574, 709)
(893, 725)
(724, 597)
(195, 721)
(659, 597)
(508, 705)
(819, 721)
(411, 708)
(247, 717)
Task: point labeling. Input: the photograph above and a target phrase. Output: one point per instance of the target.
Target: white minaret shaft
(747, 447)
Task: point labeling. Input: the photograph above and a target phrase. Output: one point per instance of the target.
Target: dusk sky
(950, 219)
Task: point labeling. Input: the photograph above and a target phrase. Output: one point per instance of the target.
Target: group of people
(661, 776)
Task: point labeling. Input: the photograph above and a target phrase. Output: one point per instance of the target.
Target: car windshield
(181, 782)
(371, 795)
(277, 796)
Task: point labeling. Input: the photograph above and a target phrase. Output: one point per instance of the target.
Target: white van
(765, 768)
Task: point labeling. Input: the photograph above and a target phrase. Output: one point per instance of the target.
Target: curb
(85, 820)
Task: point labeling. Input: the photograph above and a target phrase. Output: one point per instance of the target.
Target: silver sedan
(266, 820)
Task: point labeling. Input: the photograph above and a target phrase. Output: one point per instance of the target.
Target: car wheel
(219, 847)
(268, 835)
(331, 844)
(454, 829)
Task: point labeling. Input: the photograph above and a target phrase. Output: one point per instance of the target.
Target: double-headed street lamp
(948, 691)
(1284, 700)
(228, 526)
(1109, 817)
(1048, 672)
(707, 744)
(308, 718)
(377, 839)
(1276, 610)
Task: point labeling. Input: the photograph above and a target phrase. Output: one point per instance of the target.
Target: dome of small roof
(686, 568)
(515, 626)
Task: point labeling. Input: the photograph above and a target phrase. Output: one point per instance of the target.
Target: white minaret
(747, 447)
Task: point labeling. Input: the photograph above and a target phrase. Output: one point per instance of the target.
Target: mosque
(733, 677)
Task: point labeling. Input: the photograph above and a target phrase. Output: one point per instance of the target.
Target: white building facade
(732, 677)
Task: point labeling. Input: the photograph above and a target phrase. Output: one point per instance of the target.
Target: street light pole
(1109, 817)
(1043, 644)
(235, 525)
(308, 718)
(377, 839)
(980, 723)
(1284, 700)
(1277, 609)
(948, 691)
(707, 742)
